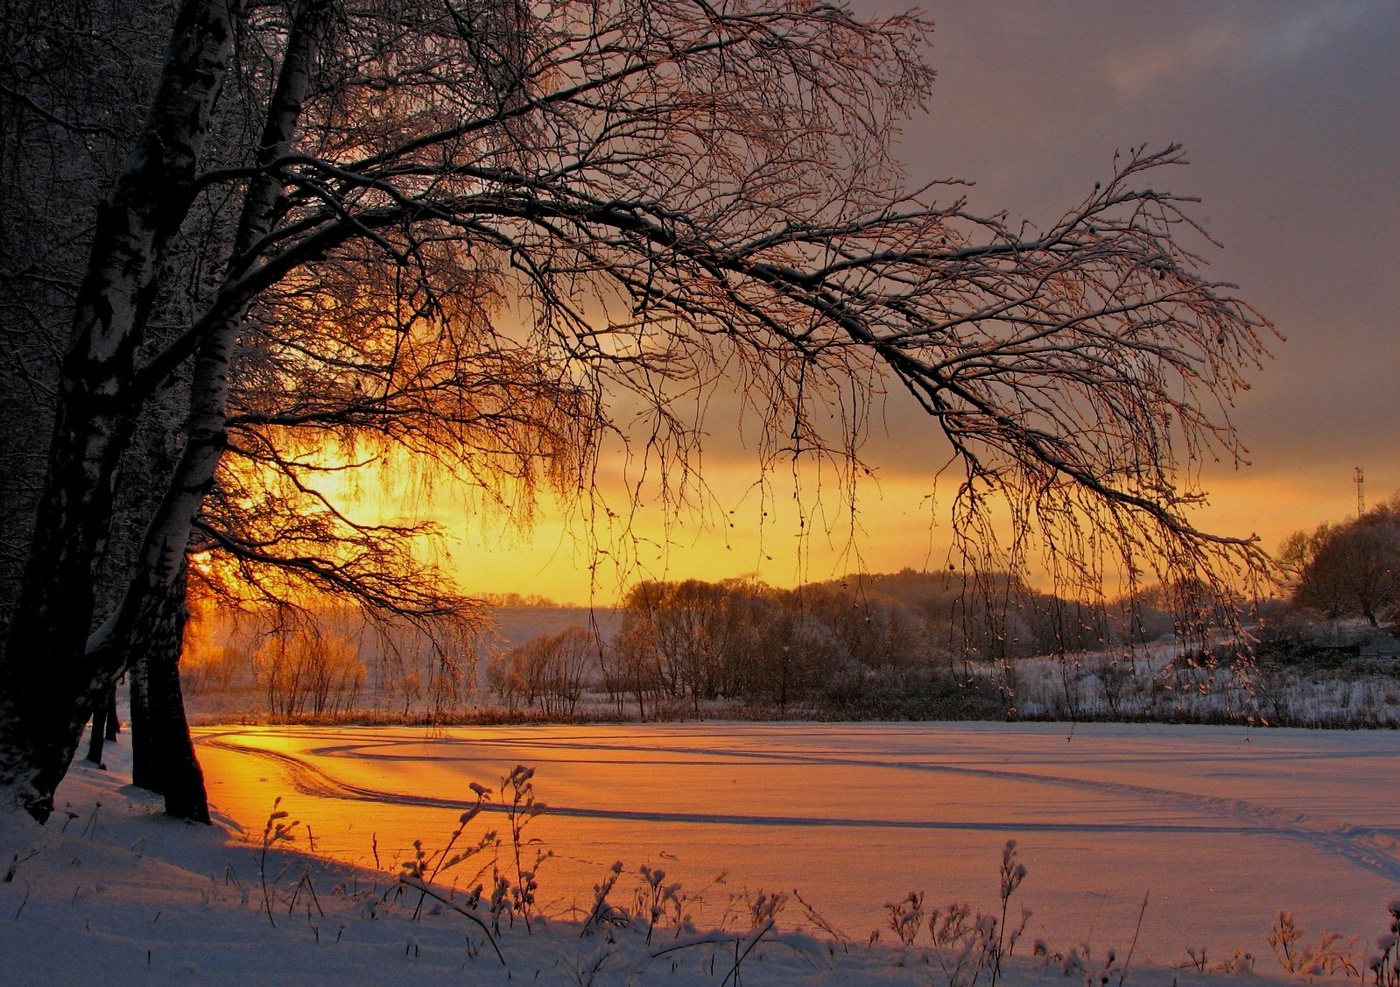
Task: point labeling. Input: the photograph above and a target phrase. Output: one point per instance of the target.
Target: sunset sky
(1290, 117)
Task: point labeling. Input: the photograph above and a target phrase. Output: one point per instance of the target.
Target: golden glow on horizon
(898, 526)
(743, 528)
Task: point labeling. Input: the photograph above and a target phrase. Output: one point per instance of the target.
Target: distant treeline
(913, 644)
(901, 645)
(902, 638)
(520, 601)
(292, 663)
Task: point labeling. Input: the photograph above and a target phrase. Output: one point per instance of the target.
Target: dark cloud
(1290, 116)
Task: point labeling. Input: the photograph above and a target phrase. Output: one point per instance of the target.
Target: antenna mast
(1359, 475)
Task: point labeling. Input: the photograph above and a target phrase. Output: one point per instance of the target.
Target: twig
(739, 958)
(420, 886)
(691, 944)
(90, 830)
(305, 882)
(14, 864)
(822, 923)
(1122, 974)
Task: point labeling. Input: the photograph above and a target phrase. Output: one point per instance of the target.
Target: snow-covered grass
(111, 892)
(1156, 683)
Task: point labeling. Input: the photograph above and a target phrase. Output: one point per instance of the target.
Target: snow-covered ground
(1217, 828)
(1154, 683)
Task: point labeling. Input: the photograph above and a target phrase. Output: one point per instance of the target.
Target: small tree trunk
(114, 723)
(104, 726)
(99, 734)
(182, 781)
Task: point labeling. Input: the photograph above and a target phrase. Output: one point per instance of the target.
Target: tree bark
(46, 680)
(163, 758)
(183, 779)
(145, 767)
(97, 735)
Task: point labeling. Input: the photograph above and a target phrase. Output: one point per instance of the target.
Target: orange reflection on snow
(854, 815)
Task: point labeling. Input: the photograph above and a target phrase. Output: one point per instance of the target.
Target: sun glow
(782, 529)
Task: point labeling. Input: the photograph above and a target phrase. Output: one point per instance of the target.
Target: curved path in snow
(1373, 848)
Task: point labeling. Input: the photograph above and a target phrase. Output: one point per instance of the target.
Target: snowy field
(1218, 828)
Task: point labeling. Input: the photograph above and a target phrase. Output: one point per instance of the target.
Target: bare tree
(633, 665)
(575, 652)
(549, 670)
(1349, 569)
(615, 207)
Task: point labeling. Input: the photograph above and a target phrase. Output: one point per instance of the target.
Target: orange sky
(899, 526)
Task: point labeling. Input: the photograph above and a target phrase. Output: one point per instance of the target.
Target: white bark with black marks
(45, 678)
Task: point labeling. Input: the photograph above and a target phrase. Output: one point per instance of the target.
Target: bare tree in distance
(1351, 569)
(616, 209)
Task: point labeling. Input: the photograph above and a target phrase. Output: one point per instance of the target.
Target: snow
(1218, 828)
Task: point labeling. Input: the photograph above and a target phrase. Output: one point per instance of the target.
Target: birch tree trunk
(45, 679)
(149, 623)
(145, 770)
(103, 727)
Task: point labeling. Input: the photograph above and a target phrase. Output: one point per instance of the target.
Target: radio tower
(1359, 476)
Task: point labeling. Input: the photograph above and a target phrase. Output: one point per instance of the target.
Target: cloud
(1148, 66)
(1218, 46)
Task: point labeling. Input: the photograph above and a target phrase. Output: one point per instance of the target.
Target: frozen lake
(1219, 827)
